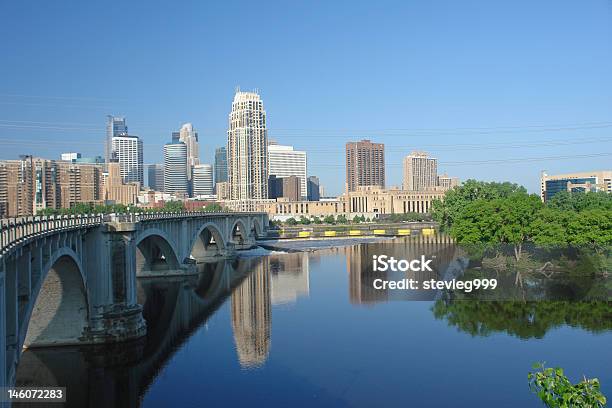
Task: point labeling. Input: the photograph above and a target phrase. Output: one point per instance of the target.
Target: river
(306, 328)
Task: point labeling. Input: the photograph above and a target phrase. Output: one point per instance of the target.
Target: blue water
(304, 338)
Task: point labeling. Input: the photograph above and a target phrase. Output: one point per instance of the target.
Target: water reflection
(174, 307)
(289, 278)
(252, 317)
(447, 263)
(326, 350)
(524, 319)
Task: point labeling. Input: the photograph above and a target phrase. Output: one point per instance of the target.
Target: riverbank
(353, 230)
(311, 244)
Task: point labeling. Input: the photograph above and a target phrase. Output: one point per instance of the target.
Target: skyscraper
(292, 188)
(156, 177)
(285, 162)
(202, 179)
(115, 126)
(420, 172)
(189, 136)
(314, 191)
(175, 169)
(220, 164)
(365, 164)
(247, 148)
(128, 150)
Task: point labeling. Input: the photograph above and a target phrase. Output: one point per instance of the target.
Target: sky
(496, 90)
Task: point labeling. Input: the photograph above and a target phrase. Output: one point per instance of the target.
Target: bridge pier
(115, 314)
(11, 322)
(3, 360)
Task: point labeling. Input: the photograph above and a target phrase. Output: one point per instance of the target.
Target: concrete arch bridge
(72, 279)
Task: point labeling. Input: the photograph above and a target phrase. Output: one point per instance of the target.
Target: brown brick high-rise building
(79, 183)
(31, 184)
(365, 164)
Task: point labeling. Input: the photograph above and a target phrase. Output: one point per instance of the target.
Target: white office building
(175, 169)
(285, 162)
(202, 180)
(128, 150)
(247, 148)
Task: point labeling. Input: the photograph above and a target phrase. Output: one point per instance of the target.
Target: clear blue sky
(464, 80)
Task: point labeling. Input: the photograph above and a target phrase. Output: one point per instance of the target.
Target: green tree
(213, 207)
(567, 201)
(445, 211)
(304, 220)
(291, 221)
(356, 219)
(173, 206)
(341, 219)
(316, 220)
(329, 219)
(550, 228)
(557, 391)
(503, 220)
(592, 228)
(99, 209)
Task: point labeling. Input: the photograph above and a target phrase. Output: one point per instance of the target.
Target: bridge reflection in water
(176, 307)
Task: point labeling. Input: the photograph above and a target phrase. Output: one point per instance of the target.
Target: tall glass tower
(220, 164)
(189, 136)
(247, 148)
(175, 169)
(115, 126)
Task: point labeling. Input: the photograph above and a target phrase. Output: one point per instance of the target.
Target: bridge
(71, 280)
(175, 307)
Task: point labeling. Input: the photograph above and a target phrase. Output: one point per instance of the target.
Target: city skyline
(534, 99)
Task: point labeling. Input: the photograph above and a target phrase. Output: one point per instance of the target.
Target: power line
(340, 149)
(341, 131)
(492, 161)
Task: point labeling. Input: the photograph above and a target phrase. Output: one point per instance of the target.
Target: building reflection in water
(443, 252)
(252, 316)
(289, 278)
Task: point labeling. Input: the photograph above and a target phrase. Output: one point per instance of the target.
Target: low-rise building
(376, 200)
(575, 182)
(371, 201)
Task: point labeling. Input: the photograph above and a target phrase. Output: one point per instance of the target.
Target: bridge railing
(14, 231)
(146, 216)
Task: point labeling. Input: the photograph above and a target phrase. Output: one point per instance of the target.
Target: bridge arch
(207, 241)
(60, 313)
(155, 251)
(239, 234)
